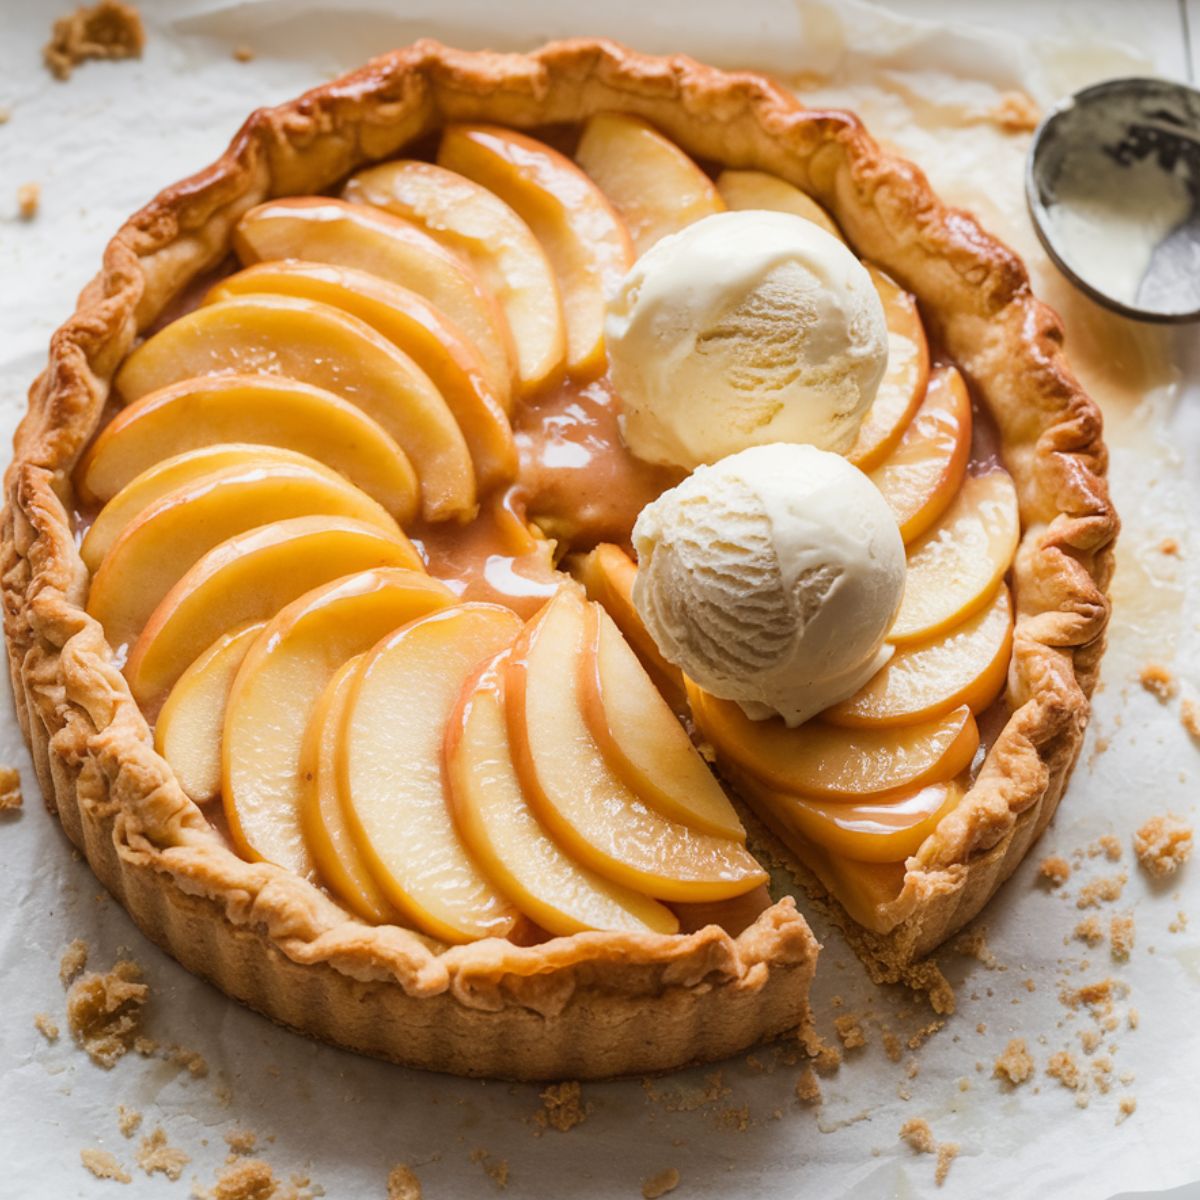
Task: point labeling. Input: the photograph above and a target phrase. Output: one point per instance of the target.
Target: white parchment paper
(101, 144)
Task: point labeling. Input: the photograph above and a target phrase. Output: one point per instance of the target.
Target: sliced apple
(607, 574)
(829, 763)
(322, 817)
(324, 346)
(955, 568)
(642, 739)
(162, 478)
(390, 771)
(408, 320)
(757, 189)
(921, 476)
(495, 822)
(188, 730)
(168, 538)
(257, 409)
(903, 385)
(323, 229)
(654, 186)
(277, 687)
(251, 577)
(585, 241)
(580, 799)
(966, 665)
(469, 219)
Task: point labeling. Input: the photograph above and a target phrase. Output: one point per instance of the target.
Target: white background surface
(101, 144)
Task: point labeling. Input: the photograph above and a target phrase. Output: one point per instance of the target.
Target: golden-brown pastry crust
(594, 1004)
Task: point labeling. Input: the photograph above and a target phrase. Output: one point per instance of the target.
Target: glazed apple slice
(277, 686)
(168, 538)
(829, 763)
(257, 409)
(585, 241)
(955, 568)
(322, 816)
(655, 187)
(641, 738)
(757, 189)
(390, 771)
(966, 665)
(469, 219)
(921, 476)
(607, 574)
(251, 577)
(188, 730)
(904, 383)
(321, 345)
(576, 795)
(408, 320)
(322, 229)
(495, 823)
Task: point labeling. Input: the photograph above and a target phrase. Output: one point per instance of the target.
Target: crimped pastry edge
(272, 937)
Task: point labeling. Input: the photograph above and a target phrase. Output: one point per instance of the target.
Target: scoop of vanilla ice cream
(742, 329)
(772, 579)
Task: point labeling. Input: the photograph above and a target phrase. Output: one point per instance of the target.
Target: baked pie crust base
(597, 1004)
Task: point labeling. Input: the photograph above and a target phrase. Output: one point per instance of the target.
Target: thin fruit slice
(322, 229)
(168, 538)
(167, 476)
(921, 476)
(278, 685)
(607, 574)
(322, 817)
(642, 739)
(954, 570)
(324, 346)
(879, 831)
(585, 241)
(966, 665)
(467, 218)
(249, 409)
(390, 770)
(188, 730)
(498, 828)
(251, 577)
(655, 187)
(580, 799)
(821, 760)
(903, 385)
(408, 320)
(757, 189)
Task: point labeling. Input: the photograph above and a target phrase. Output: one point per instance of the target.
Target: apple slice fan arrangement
(471, 531)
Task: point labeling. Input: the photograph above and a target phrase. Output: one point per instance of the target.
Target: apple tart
(318, 584)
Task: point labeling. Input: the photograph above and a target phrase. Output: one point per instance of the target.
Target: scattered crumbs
(1126, 1108)
(496, 1169)
(194, 1062)
(1029, 985)
(156, 1155)
(808, 1089)
(46, 1026)
(826, 1057)
(1015, 1065)
(243, 54)
(5, 115)
(974, 945)
(73, 960)
(1189, 714)
(241, 1141)
(1014, 112)
(1108, 845)
(735, 1117)
(561, 1108)
(1162, 845)
(1121, 934)
(981, 1027)
(103, 1165)
(1169, 546)
(1101, 891)
(913, 1069)
(923, 1034)
(1091, 995)
(919, 1136)
(248, 1179)
(892, 1046)
(947, 1152)
(108, 30)
(29, 197)
(1158, 681)
(1055, 870)
(964, 1084)
(147, 1047)
(128, 1120)
(105, 1011)
(1133, 1017)
(1089, 930)
(850, 1031)
(1089, 1039)
(660, 1184)
(1179, 924)
(402, 1184)
(10, 777)
(680, 1098)
(1063, 1067)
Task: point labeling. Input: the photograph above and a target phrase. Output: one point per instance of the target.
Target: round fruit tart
(452, 519)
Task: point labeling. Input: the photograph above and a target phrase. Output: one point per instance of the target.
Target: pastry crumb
(496, 1169)
(29, 199)
(1121, 935)
(1054, 870)
(1108, 845)
(10, 777)
(241, 1141)
(660, 1184)
(156, 1156)
(1101, 891)
(249, 1179)
(108, 30)
(1179, 924)
(1162, 845)
(1169, 545)
(402, 1184)
(1126, 1107)
(917, 1133)
(74, 959)
(1063, 1067)
(46, 1026)
(243, 54)
(104, 1165)
(808, 1089)
(826, 1057)
(947, 1152)
(974, 945)
(5, 114)
(192, 1061)
(561, 1107)
(1158, 681)
(1089, 930)
(128, 1120)
(1015, 1065)
(104, 1012)
(1189, 715)
(850, 1031)
(918, 1039)
(892, 1046)
(1014, 112)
